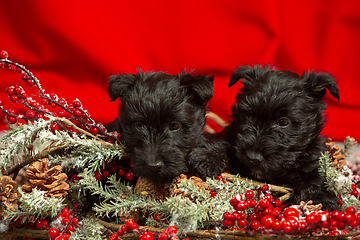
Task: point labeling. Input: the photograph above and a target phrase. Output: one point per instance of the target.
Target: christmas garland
(79, 185)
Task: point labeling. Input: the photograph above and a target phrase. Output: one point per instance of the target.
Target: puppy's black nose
(155, 165)
(254, 156)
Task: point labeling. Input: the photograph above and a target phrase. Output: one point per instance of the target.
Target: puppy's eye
(174, 126)
(284, 122)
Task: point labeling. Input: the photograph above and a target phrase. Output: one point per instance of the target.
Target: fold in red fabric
(73, 47)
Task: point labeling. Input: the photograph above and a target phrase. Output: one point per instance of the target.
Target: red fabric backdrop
(74, 46)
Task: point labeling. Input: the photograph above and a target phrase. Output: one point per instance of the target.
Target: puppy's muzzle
(155, 165)
(254, 156)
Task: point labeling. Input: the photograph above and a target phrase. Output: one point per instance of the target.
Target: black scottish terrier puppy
(275, 129)
(161, 121)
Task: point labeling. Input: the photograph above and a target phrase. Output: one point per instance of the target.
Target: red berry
(311, 219)
(124, 229)
(325, 224)
(14, 98)
(119, 232)
(228, 223)
(75, 178)
(266, 221)
(66, 214)
(163, 236)
(77, 113)
(98, 176)
(53, 233)
(251, 202)
(54, 127)
(30, 114)
(64, 210)
(24, 95)
(290, 211)
(30, 82)
(353, 186)
(172, 230)
(228, 216)
(277, 203)
(65, 221)
(219, 177)
(12, 120)
(265, 187)
(350, 210)
(70, 229)
(254, 225)
(121, 172)
(353, 223)
(18, 90)
(129, 175)
(241, 206)
(106, 173)
(94, 130)
(355, 192)
(61, 113)
(276, 225)
(62, 101)
(233, 201)
(268, 197)
(76, 104)
(294, 222)
(38, 224)
(146, 236)
(249, 194)
(60, 238)
(66, 236)
(339, 202)
(44, 101)
(4, 54)
(286, 226)
(10, 90)
(114, 236)
(242, 223)
(44, 224)
(13, 68)
(264, 203)
(236, 216)
(213, 193)
(131, 224)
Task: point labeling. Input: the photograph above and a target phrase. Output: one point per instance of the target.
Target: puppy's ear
(201, 87)
(249, 74)
(119, 85)
(317, 82)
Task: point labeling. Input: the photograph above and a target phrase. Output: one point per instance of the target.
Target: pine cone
(149, 189)
(9, 194)
(306, 208)
(199, 184)
(338, 159)
(49, 180)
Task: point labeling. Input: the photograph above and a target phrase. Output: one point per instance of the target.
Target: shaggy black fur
(161, 121)
(275, 129)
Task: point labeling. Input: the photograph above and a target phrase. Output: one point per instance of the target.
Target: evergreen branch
(348, 144)
(89, 229)
(35, 205)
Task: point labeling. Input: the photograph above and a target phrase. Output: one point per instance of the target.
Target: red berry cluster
(64, 224)
(39, 108)
(131, 225)
(113, 168)
(268, 215)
